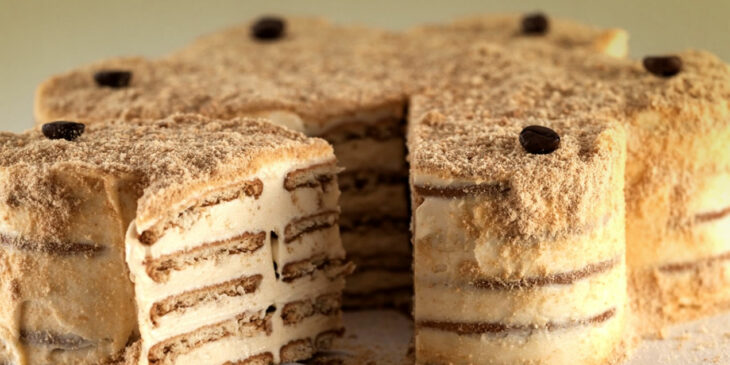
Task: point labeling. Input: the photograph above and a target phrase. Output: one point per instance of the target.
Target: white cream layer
(442, 245)
(271, 212)
(588, 344)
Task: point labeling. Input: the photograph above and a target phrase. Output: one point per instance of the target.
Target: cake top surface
(467, 125)
(508, 28)
(161, 159)
(318, 70)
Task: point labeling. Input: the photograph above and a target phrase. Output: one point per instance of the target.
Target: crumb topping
(157, 157)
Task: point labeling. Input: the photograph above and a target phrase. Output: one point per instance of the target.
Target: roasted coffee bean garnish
(268, 28)
(63, 130)
(535, 24)
(113, 78)
(663, 66)
(539, 140)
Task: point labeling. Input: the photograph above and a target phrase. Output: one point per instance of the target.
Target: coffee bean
(663, 66)
(539, 140)
(113, 78)
(271, 309)
(63, 130)
(268, 28)
(535, 24)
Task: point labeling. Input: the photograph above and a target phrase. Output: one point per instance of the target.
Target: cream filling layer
(462, 302)
(443, 246)
(703, 241)
(590, 344)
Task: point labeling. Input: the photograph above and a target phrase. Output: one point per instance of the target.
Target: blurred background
(39, 38)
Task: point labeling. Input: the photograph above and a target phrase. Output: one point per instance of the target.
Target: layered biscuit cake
(228, 229)
(468, 90)
(518, 216)
(346, 84)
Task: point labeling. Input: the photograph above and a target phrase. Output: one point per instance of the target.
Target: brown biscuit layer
(266, 358)
(397, 297)
(319, 175)
(382, 262)
(350, 223)
(382, 130)
(252, 188)
(461, 191)
(365, 181)
(305, 348)
(564, 278)
(693, 265)
(327, 304)
(332, 267)
(478, 328)
(178, 303)
(297, 350)
(159, 269)
(244, 325)
(312, 223)
(711, 216)
(51, 248)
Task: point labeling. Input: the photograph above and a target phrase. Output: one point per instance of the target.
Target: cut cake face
(230, 232)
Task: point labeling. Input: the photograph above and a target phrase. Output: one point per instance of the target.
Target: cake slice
(517, 183)
(230, 230)
(346, 84)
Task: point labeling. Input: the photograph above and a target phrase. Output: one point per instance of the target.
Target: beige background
(39, 38)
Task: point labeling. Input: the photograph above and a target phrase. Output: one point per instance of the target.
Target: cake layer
(705, 239)
(244, 325)
(366, 154)
(326, 304)
(317, 176)
(370, 281)
(285, 344)
(301, 226)
(397, 298)
(369, 180)
(594, 340)
(159, 269)
(196, 208)
(179, 303)
(523, 306)
(694, 228)
(295, 208)
(387, 200)
(374, 236)
(453, 244)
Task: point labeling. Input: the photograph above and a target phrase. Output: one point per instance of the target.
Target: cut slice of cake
(230, 230)
(346, 84)
(518, 216)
